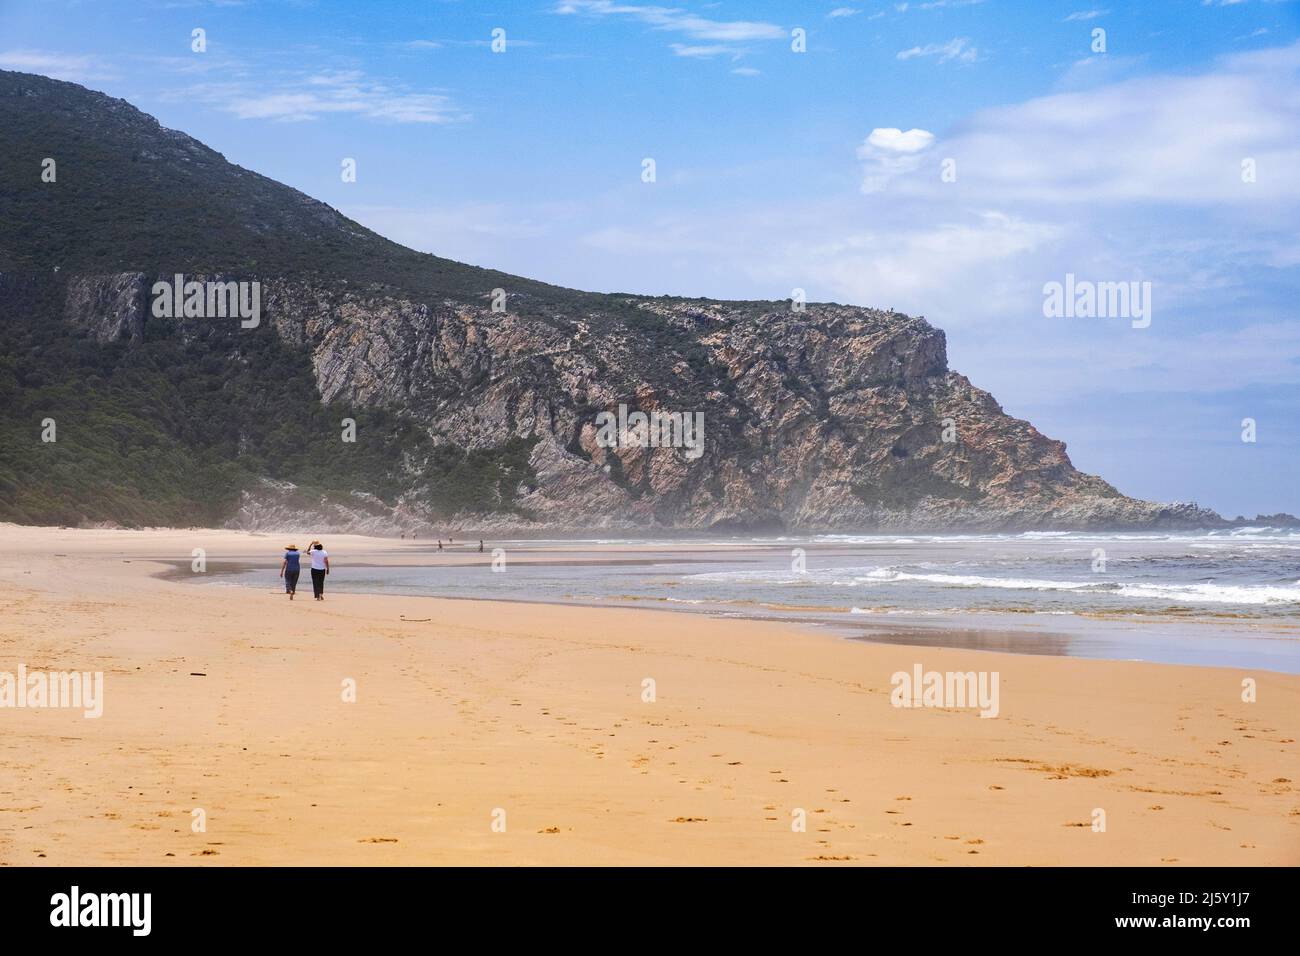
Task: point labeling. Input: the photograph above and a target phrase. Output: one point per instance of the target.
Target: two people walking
(319, 563)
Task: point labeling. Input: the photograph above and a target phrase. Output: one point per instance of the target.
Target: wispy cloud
(703, 50)
(1085, 15)
(958, 48)
(936, 5)
(310, 97)
(75, 68)
(674, 20)
(843, 12)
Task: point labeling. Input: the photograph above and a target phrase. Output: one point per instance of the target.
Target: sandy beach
(473, 714)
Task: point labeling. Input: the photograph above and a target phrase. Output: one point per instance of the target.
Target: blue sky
(818, 170)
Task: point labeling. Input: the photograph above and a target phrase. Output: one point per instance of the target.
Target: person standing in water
(290, 569)
(320, 566)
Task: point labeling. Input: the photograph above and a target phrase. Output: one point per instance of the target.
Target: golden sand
(231, 701)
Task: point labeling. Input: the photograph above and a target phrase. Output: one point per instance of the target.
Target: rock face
(109, 307)
(833, 418)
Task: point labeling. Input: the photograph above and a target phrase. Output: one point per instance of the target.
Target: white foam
(1202, 592)
(1214, 593)
(974, 581)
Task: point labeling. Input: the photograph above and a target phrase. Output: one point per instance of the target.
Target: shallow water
(1229, 598)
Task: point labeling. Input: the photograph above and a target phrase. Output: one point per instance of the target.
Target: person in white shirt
(320, 566)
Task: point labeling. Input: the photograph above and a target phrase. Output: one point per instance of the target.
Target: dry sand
(536, 710)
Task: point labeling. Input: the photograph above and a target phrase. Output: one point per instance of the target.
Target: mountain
(465, 415)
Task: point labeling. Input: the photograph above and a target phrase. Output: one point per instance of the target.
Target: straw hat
(292, 547)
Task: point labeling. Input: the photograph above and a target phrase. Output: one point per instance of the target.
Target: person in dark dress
(290, 568)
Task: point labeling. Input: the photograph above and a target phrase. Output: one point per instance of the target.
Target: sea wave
(1208, 592)
(890, 575)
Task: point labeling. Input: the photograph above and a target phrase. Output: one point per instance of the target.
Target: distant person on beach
(290, 569)
(480, 545)
(320, 566)
(440, 544)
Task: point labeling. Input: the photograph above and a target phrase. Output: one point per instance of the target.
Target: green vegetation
(171, 430)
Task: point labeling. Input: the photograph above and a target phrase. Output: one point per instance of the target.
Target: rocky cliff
(828, 417)
(832, 418)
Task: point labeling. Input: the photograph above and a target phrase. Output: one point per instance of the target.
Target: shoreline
(1091, 635)
(468, 707)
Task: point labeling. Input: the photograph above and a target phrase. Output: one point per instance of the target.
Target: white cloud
(843, 12)
(1162, 138)
(1098, 70)
(930, 266)
(888, 152)
(958, 49)
(746, 71)
(1085, 15)
(702, 50)
(324, 94)
(896, 141)
(675, 20)
(60, 66)
(936, 5)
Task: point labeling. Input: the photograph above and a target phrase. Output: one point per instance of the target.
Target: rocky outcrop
(829, 418)
(833, 418)
(109, 307)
